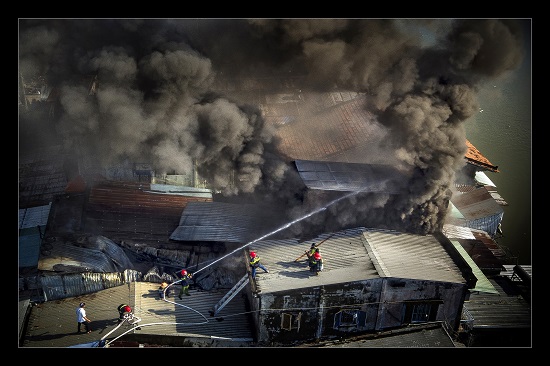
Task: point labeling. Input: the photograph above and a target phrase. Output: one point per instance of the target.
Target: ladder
(231, 294)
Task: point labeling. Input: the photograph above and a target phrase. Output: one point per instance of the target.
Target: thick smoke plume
(159, 101)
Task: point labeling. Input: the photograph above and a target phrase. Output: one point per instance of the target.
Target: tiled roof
(473, 156)
(328, 132)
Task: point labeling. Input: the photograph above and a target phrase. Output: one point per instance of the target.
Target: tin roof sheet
(352, 177)
(225, 222)
(41, 176)
(504, 309)
(354, 255)
(476, 204)
(53, 323)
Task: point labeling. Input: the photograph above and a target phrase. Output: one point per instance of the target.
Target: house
(476, 209)
(394, 281)
(373, 280)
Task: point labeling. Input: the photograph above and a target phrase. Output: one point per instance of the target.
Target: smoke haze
(159, 100)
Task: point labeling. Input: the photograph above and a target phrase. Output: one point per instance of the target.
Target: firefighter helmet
(253, 254)
(183, 272)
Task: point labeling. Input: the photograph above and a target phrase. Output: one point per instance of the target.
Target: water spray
(281, 228)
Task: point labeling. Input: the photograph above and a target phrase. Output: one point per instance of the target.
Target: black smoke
(159, 99)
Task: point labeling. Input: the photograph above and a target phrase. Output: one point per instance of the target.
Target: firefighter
(162, 287)
(316, 263)
(123, 312)
(255, 263)
(186, 276)
(311, 251)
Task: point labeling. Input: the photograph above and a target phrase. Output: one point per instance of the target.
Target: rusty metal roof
(137, 210)
(479, 245)
(476, 203)
(354, 255)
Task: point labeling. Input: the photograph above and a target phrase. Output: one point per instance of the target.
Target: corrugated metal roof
(350, 177)
(225, 222)
(332, 126)
(32, 225)
(34, 216)
(427, 336)
(482, 284)
(502, 310)
(53, 323)
(479, 245)
(477, 209)
(354, 255)
(482, 178)
(464, 188)
(509, 270)
(457, 232)
(94, 254)
(138, 211)
(29, 246)
(41, 176)
(476, 204)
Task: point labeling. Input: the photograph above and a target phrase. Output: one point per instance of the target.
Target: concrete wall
(316, 313)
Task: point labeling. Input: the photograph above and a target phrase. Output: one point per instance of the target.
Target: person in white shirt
(81, 317)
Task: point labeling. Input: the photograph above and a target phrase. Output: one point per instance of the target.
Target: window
(420, 311)
(349, 319)
(291, 321)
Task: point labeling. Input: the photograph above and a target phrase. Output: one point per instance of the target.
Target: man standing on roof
(81, 317)
(124, 311)
(185, 283)
(255, 263)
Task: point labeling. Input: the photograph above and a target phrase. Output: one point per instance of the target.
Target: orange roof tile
(473, 156)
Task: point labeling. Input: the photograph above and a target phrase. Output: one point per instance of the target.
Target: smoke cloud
(159, 100)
